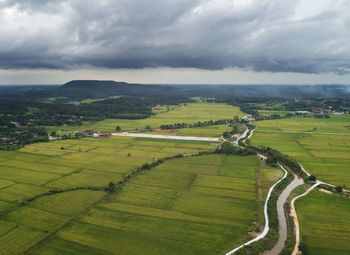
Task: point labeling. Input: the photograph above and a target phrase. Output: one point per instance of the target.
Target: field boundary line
(73, 219)
(86, 152)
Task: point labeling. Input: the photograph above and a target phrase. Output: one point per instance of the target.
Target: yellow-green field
(189, 113)
(273, 112)
(30, 172)
(324, 223)
(81, 163)
(195, 205)
(321, 145)
(208, 131)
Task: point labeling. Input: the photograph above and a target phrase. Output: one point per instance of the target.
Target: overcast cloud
(303, 36)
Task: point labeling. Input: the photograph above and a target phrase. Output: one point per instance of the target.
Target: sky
(182, 41)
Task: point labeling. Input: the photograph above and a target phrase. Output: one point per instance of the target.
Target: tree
(118, 129)
(227, 148)
(339, 189)
(148, 127)
(226, 135)
(304, 248)
(146, 166)
(53, 133)
(111, 187)
(312, 178)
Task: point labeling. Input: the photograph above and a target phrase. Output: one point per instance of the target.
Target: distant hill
(101, 88)
(97, 88)
(89, 84)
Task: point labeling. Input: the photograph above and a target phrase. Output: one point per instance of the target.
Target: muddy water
(281, 217)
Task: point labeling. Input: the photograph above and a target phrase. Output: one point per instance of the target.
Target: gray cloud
(309, 36)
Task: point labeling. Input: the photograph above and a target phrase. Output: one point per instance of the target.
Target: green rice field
(81, 163)
(189, 113)
(273, 112)
(195, 205)
(321, 145)
(324, 223)
(208, 131)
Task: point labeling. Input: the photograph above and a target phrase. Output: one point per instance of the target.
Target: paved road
(266, 227)
(171, 137)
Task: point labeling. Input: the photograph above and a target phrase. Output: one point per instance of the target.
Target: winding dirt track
(294, 215)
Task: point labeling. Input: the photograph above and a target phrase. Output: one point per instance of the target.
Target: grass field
(88, 162)
(196, 205)
(208, 131)
(321, 145)
(193, 205)
(22, 228)
(325, 223)
(273, 112)
(82, 163)
(191, 113)
(90, 100)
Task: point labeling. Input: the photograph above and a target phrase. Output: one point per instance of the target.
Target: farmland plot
(321, 145)
(324, 223)
(177, 208)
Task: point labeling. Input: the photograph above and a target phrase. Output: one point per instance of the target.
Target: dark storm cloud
(309, 36)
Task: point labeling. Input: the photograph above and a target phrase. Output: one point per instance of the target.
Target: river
(281, 216)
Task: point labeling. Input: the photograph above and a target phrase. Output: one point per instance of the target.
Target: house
(303, 112)
(247, 118)
(7, 139)
(89, 132)
(319, 111)
(97, 134)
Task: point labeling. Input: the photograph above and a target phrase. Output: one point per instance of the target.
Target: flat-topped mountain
(92, 84)
(106, 87)
(102, 88)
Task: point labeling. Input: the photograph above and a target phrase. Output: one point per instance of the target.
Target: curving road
(242, 136)
(266, 227)
(293, 213)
